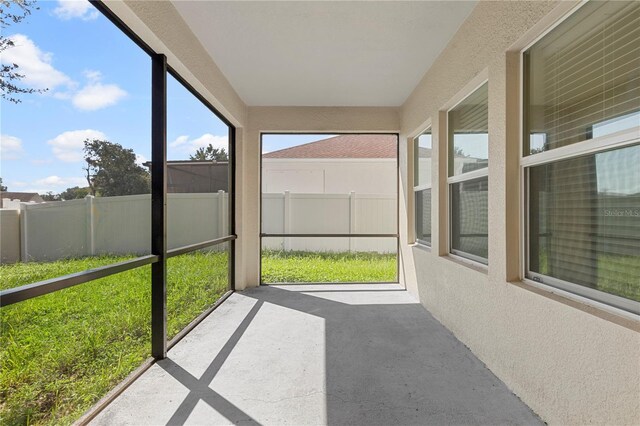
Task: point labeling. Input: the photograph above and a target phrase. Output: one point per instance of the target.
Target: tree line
(111, 170)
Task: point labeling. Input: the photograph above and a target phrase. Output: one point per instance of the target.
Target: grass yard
(60, 353)
(301, 267)
(617, 274)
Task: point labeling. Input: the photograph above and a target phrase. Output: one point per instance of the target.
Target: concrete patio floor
(321, 354)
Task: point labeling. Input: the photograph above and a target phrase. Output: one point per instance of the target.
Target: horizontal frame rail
(29, 291)
(193, 247)
(331, 235)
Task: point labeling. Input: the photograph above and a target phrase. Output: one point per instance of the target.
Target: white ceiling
(324, 53)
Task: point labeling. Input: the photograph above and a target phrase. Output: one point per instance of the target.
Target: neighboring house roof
(343, 146)
(25, 197)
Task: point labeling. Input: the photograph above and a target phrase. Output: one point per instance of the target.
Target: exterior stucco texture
(570, 365)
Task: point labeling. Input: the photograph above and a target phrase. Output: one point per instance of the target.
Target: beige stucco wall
(572, 363)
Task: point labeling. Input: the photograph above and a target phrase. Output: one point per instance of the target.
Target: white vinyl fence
(107, 225)
(122, 225)
(293, 213)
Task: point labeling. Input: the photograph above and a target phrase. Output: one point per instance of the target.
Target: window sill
(593, 307)
(472, 264)
(421, 246)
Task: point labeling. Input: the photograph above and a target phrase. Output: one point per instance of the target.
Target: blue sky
(280, 141)
(98, 85)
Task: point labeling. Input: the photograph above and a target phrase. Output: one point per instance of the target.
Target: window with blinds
(584, 224)
(468, 124)
(468, 131)
(422, 186)
(583, 74)
(582, 81)
(469, 224)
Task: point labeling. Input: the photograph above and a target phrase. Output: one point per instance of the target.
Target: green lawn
(61, 352)
(300, 267)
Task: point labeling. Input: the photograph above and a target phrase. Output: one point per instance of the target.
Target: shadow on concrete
(395, 364)
(199, 387)
(385, 364)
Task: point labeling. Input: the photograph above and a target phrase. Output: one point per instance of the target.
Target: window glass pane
(468, 126)
(329, 260)
(616, 124)
(469, 207)
(584, 76)
(73, 142)
(422, 155)
(325, 184)
(63, 351)
(423, 216)
(197, 170)
(585, 221)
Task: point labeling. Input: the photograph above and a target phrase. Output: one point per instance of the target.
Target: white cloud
(69, 9)
(39, 73)
(34, 64)
(54, 184)
(180, 140)
(140, 160)
(185, 145)
(92, 76)
(57, 181)
(68, 146)
(10, 147)
(94, 96)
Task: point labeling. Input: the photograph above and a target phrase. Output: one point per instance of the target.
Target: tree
(2, 187)
(75, 193)
(112, 170)
(9, 75)
(50, 196)
(210, 153)
(459, 152)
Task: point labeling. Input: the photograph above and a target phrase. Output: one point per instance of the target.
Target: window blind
(584, 224)
(584, 72)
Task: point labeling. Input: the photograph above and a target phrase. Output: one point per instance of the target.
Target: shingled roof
(343, 146)
(25, 197)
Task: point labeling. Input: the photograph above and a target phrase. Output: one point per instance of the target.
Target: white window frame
(621, 139)
(463, 177)
(417, 188)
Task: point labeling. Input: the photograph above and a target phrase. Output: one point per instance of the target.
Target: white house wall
(335, 176)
